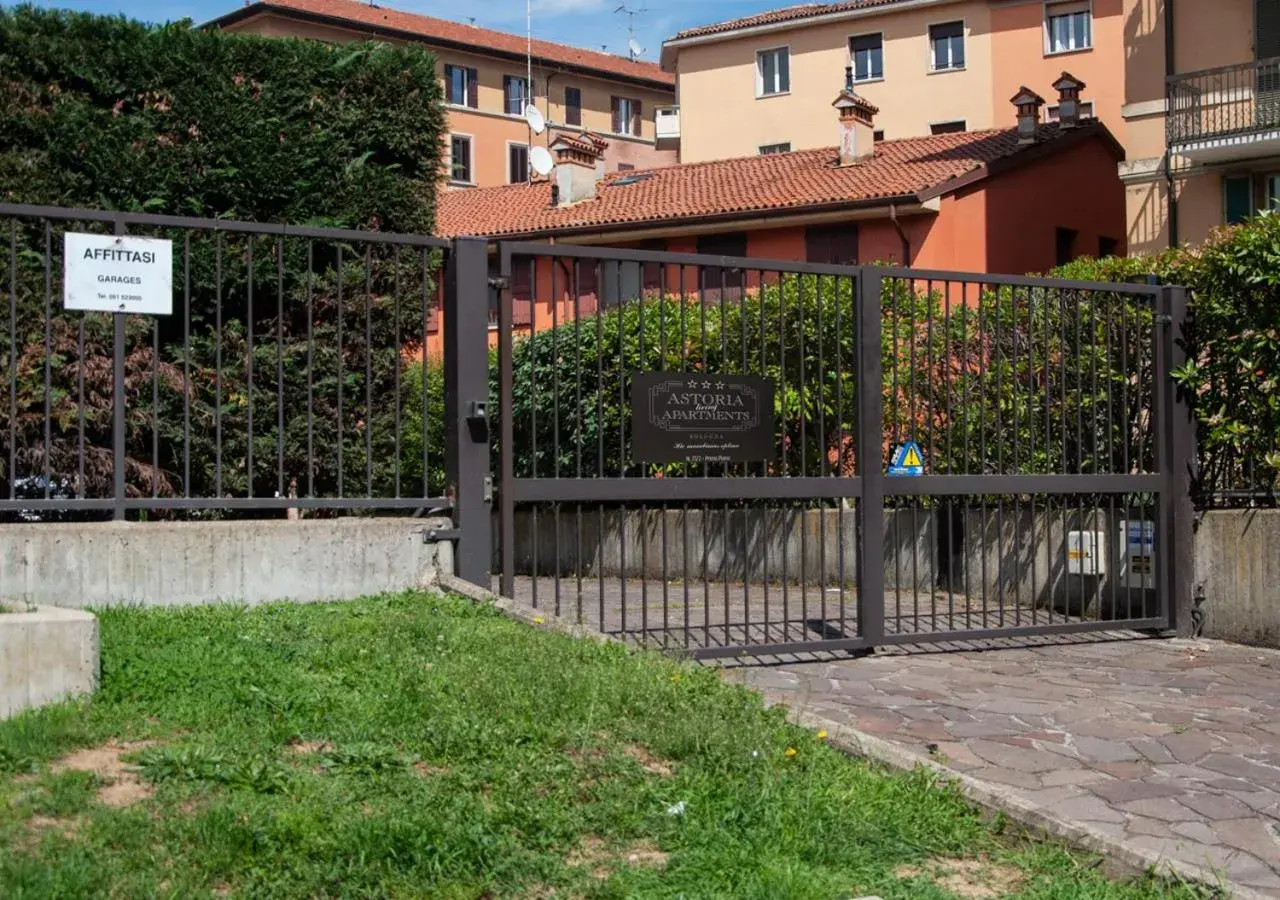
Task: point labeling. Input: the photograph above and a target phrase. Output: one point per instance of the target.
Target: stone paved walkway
(1171, 746)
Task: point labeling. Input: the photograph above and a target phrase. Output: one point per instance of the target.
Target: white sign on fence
(117, 274)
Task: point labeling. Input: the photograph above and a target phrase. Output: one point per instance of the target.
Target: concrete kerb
(993, 798)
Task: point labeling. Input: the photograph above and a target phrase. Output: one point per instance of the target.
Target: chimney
(579, 168)
(1068, 88)
(857, 123)
(1028, 103)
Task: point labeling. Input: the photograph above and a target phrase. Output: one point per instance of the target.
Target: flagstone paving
(1171, 746)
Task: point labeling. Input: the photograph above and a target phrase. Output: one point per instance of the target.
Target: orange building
(1011, 200)
(485, 76)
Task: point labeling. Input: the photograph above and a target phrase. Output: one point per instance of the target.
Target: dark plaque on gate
(691, 417)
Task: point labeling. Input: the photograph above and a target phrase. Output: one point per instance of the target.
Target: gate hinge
(488, 489)
(434, 535)
(499, 282)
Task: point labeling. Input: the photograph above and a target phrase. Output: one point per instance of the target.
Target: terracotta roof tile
(754, 184)
(785, 14)
(429, 27)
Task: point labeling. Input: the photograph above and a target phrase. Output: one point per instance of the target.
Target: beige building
(1202, 116)
(486, 85)
(763, 83)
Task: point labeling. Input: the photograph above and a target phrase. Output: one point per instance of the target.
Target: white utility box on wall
(1085, 554)
(1137, 554)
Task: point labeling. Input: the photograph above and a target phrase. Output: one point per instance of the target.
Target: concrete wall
(744, 543)
(46, 655)
(1238, 573)
(189, 563)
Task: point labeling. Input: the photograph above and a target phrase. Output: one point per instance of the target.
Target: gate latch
(478, 421)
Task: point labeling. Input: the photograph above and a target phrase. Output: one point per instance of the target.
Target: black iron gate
(1050, 494)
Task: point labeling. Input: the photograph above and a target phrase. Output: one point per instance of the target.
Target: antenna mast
(631, 14)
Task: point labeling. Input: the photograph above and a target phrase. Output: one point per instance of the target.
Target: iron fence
(1228, 101)
(1042, 410)
(288, 376)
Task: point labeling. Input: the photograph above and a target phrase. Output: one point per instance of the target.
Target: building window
(877, 135)
(626, 115)
(769, 149)
(572, 106)
(832, 244)
(1067, 27)
(955, 127)
(773, 71)
(1107, 247)
(866, 51)
(460, 84)
(460, 158)
(515, 94)
(626, 167)
(947, 43)
(1237, 198)
(1064, 250)
(517, 163)
(733, 244)
(1086, 112)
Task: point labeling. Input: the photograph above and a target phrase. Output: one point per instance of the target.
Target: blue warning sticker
(907, 460)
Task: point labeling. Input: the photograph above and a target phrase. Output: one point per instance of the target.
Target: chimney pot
(579, 168)
(848, 78)
(1028, 104)
(1068, 88)
(857, 124)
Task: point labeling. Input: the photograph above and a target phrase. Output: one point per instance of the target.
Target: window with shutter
(1237, 198)
(460, 86)
(867, 55)
(572, 106)
(515, 94)
(714, 277)
(1266, 15)
(773, 71)
(947, 43)
(832, 244)
(626, 115)
(1068, 27)
(517, 163)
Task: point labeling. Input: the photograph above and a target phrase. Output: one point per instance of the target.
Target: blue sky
(586, 23)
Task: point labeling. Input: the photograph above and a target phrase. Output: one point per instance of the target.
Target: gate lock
(478, 421)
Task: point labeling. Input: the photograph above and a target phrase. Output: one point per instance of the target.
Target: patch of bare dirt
(654, 765)
(973, 879)
(308, 748)
(37, 827)
(601, 859)
(120, 786)
(426, 770)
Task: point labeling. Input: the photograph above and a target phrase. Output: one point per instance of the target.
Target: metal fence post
(1179, 433)
(466, 400)
(117, 404)
(869, 385)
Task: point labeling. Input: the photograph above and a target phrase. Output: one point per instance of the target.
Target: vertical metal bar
(368, 369)
(186, 365)
(466, 330)
(869, 392)
(786, 429)
(155, 407)
(684, 508)
(555, 417)
(427, 282)
(840, 447)
(217, 368)
(249, 372)
(599, 282)
(118, 401)
(311, 355)
(641, 365)
(342, 277)
(280, 490)
(724, 508)
(398, 365)
(47, 468)
(822, 450)
(1180, 459)
(80, 492)
(506, 414)
(13, 357)
(577, 423)
(802, 391)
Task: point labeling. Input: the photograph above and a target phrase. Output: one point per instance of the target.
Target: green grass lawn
(419, 746)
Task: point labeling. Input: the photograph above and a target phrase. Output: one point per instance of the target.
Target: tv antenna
(633, 46)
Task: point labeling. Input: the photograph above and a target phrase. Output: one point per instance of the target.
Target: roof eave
(748, 215)
(788, 24)
(263, 7)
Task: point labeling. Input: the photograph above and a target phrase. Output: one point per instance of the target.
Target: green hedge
(106, 113)
(1234, 348)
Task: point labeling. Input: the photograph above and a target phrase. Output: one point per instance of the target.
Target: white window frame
(964, 36)
(625, 121)
(528, 94)
(528, 172)
(471, 161)
(760, 91)
(1093, 111)
(1048, 32)
(853, 62)
(1271, 180)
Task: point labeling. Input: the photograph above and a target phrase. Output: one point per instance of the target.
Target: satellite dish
(540, 160)
(534, 118)
(635, 48)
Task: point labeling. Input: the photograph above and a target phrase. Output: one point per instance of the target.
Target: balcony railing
(667, 122)
(1227, 102)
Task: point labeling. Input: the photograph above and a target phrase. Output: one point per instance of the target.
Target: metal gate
(1053, 453)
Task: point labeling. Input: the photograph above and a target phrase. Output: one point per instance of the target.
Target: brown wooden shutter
(616, 110)
(636, 117)
(473, 88)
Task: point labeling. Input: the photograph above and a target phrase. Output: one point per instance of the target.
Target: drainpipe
(1169, 70)
(902, 235)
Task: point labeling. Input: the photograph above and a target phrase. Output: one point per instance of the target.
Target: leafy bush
(102, 112)
(1233, 345)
